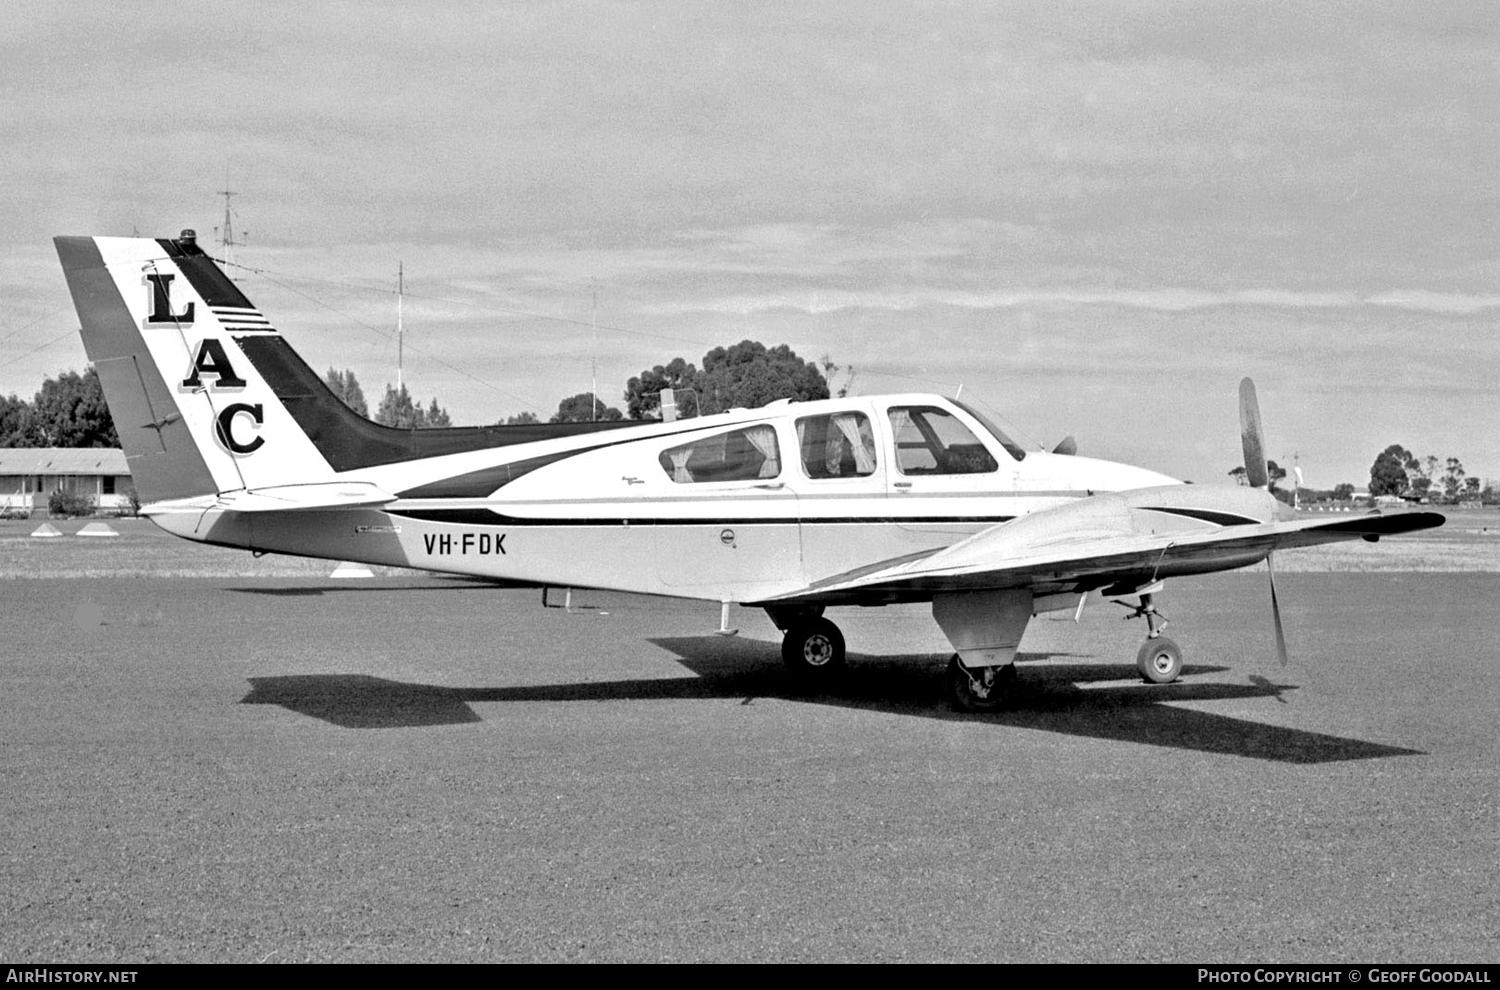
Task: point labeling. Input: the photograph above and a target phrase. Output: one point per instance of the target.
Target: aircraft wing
(1090, 546)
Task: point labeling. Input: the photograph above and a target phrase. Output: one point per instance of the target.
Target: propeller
(1252, 438)
(1276, 613)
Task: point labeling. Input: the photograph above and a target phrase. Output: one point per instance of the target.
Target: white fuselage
(632, 509)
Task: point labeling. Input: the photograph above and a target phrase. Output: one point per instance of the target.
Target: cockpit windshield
(1011, 447)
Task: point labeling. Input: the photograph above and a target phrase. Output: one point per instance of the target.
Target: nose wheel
(980, 689)
(1159, 660)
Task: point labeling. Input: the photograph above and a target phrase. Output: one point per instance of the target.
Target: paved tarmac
(422, 769)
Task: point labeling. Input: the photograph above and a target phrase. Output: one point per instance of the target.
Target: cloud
(1165, 300)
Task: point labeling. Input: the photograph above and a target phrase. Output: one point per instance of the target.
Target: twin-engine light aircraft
(233, 440)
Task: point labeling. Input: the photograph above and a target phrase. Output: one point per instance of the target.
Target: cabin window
(1011, 447)
(930, 440)
(107, 484)
(743, 455)
(841, 445)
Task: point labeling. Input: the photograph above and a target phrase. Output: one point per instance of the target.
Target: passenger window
(932, 441)
(838, 446)
(743, 455)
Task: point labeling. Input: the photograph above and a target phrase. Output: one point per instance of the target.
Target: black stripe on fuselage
(484, 517)
(486, 481)
(1207, 515)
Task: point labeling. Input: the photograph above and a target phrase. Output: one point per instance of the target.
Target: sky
(1094, 217)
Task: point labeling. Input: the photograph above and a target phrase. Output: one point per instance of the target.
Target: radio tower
(400, 325)
(226, 232)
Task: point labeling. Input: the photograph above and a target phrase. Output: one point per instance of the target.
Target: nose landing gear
(980, 689)
(1159, 659)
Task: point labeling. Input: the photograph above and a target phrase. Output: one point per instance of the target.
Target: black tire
(813, 649)
(1159, 660)
(981, 689)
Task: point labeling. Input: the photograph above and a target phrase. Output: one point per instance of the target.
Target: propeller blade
(1252, 438)
(1276, 613)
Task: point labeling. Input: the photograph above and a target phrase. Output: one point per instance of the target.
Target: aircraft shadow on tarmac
(1061, 697)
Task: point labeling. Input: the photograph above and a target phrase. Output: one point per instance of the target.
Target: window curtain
(763, 439)
(849, 426)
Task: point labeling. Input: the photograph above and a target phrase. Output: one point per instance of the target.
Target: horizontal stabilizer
(287, 498)
(325, 496)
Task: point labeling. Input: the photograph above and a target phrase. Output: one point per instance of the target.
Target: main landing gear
(1159, 659)
(811, 647)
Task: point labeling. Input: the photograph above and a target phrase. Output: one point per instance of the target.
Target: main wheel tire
(813, 649)
(980, 689)
(1159, 660)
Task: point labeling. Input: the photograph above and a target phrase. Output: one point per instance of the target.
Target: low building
(28, 475)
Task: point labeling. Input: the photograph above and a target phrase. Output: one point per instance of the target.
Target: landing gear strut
(1159, 659)
(980, 689)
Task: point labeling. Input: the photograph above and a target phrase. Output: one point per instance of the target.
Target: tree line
(1396, 471)
(396, 407)
(68, 411)
(746, 375)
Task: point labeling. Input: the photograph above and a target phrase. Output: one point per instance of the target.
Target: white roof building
(29, 474)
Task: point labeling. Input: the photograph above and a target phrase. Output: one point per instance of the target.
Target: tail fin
(209, 399)
(170, 336)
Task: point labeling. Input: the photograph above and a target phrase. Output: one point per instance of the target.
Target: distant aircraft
(794, 507)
